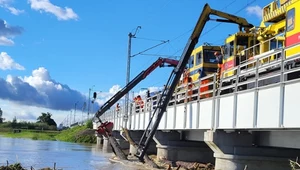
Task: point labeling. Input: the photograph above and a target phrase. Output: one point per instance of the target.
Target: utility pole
(75, 112)
(89, 103)
(130, 36)
(83, 108)
(70, 118)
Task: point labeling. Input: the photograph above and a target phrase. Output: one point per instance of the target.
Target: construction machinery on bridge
(105, 128)
(279, 28)
(177, 72)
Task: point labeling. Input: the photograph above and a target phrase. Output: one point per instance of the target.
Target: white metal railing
(255, 51)
(206, 89)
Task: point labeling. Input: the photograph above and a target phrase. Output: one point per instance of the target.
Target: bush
(27, 125)
(35, 137)
(89, 124)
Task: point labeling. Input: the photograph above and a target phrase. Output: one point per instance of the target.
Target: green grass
(69, 135)
(31, 134)
(76, 134)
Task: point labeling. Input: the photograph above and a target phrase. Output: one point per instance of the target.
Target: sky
(53, 51)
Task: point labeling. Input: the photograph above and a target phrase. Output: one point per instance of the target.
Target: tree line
(44, 122)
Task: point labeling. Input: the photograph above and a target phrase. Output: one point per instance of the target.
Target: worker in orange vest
(140, 101)
(203, 88)
(188, 82)
(118, 108)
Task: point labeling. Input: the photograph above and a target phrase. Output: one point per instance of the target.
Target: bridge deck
(268, 101)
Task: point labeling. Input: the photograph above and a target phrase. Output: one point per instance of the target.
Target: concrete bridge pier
(106, 144)
(136, 136)
(99, 139)
(171, 146)
(237, 150)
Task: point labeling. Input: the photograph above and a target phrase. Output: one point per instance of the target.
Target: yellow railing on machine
(275, 11)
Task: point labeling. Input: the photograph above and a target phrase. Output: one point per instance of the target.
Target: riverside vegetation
(43, 131)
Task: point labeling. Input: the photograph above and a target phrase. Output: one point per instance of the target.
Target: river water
(67, 156)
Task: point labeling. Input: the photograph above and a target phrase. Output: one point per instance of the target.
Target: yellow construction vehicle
(278, 29)
(203, 58)
(243, 39)
(292, 29)
(283, 29)
(209, 63)
(270, 35)
(235, 51)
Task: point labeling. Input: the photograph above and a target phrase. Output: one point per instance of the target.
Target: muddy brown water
(67, 156)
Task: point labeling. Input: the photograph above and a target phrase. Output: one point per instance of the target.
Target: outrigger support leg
(105, 129)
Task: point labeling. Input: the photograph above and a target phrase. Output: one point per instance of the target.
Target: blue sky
(53, 51)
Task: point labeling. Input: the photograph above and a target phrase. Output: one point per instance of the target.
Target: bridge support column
(136, 136)
(99, 139)
(106, 144)
(235, 151)
(171, 147)
(122, 142)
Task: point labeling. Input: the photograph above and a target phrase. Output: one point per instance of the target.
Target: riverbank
(18, 166)
(133, 162)
(78, 134)
(30, 134)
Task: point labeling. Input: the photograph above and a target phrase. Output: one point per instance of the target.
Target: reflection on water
(39, 154)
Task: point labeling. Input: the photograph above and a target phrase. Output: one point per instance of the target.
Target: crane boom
(178, 70)
(158, 63)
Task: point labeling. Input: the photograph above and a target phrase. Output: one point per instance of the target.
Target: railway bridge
(253, 122)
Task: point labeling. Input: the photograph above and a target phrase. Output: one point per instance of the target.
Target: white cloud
(254, 10)
(30, 113)
(7, 63)
(6, 4)
(105, 96)
(46, 6)
(114, 89)
(15, 11)
(6, 41)
(29, 96)
(39, 90)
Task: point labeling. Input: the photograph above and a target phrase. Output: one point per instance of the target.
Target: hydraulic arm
(178, 70)
(229, 18)
(158, 63)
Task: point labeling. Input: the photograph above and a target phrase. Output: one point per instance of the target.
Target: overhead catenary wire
(149, 39)
(161, 55)
(174, 39)
(183, 34)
